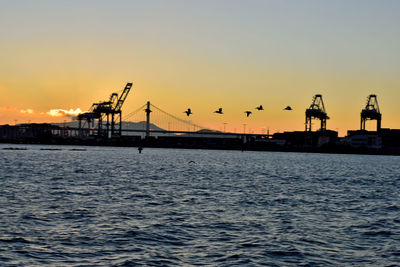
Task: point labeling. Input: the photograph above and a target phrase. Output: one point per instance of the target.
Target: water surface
(115, 207)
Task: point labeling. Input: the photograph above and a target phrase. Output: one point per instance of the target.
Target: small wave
(80, 171)
(77, 214)
(378, 233)
(285, 253)
(311, 241)
(130, 262)
(228, 257)
(15, 240)
(131, 233)
(396, 253)
(250, 245)
(393, 208)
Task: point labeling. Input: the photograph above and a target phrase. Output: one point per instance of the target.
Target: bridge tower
(371, 112)
(316, 111)
(148, 111)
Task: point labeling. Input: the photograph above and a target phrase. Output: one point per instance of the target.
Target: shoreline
(341, 150)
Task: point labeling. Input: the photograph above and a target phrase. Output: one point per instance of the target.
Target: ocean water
(107, 206)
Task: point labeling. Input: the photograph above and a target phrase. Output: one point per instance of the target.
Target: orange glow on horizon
(12, 115)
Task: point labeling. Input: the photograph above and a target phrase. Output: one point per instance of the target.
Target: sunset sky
(65, 55)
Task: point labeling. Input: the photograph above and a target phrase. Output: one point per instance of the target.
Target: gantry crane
(371, 112)
(316, 111)
(103, 110)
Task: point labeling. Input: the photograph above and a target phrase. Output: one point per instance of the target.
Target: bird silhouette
(188, 112)
(219, 111)
(248, 113)
(260, 107)
(288, 108)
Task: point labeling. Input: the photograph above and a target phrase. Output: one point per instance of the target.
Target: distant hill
(141, 125)
(128, 125)
(207, 131)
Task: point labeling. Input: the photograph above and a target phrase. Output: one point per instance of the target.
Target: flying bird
(288, 108)
(219, 111)
(260, 107)
(188, 112)
(248, 113)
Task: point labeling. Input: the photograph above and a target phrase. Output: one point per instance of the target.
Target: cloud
(63, 112)
(11, 114)
(26, 111)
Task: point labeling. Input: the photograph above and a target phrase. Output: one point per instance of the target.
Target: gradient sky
(202, 54)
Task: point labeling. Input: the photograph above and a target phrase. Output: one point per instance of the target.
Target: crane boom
(122, 97)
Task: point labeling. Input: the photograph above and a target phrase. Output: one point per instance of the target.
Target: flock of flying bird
(248, 112)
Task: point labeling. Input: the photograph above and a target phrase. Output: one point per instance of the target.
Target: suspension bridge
(105, 120)
(149, 120)
(159, 121)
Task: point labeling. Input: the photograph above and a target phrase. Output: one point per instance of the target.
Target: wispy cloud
(26, 111)
(63, 112)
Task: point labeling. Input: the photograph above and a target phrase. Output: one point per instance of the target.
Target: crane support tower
(316, 111)
(104, 111)
(371, 112)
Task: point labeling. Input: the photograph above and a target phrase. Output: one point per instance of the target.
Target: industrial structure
(152, 126)
(104, 111)
(371, 112)
(316, 111)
